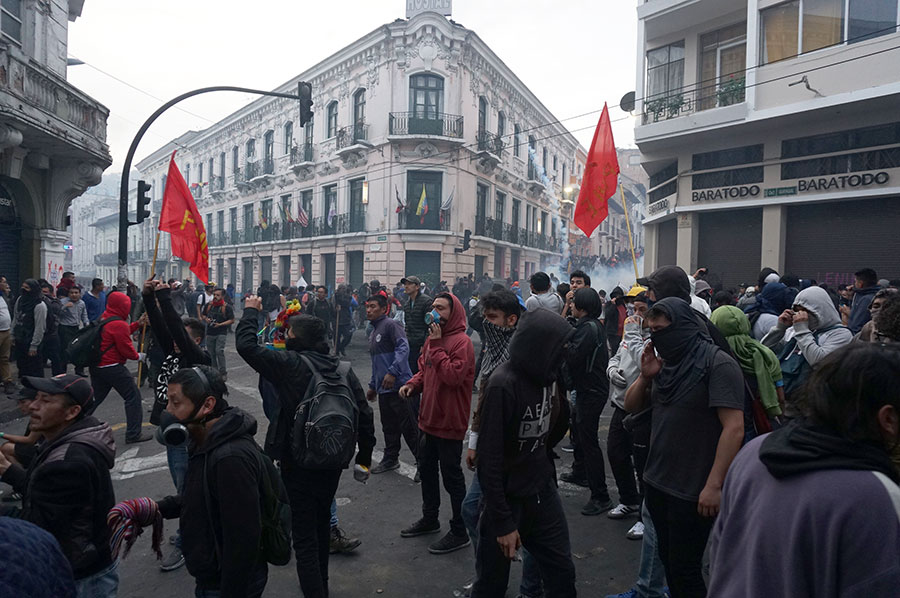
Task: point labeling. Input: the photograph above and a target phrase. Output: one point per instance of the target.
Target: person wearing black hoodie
(67, 488)
(310, 491)
(521, 421)
(29, 323)
(220, 504)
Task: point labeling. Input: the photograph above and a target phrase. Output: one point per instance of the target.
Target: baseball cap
(75, 386)
(635, 291)
(410, 280)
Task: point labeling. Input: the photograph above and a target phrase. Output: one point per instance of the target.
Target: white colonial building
(52, 138)
(421, 133)
(771, 135)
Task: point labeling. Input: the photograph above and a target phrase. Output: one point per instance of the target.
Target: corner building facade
(420, 134)
(771, 135)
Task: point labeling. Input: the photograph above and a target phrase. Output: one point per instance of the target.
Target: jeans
(254, 589)
(682, 534)
(444, 454)
(334, 518)
(396, 420)
(651, 581)
(118, 377)
(530, 584)
(619, 445)
(103, 584)
(311, 493)
(177, 456)
(587, 423)
(345, 333)
(215, 343)
(50, 350)
(542, 526)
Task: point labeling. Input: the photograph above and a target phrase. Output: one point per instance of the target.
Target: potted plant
(731, 91)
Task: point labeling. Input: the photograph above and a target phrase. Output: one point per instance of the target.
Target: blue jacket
(95, 306)
(859, 310)
(390, 354)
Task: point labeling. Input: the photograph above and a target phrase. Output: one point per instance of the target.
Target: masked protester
(697, 394)
(220, 504)
(838, 471)
(29, 323)
(521, 421)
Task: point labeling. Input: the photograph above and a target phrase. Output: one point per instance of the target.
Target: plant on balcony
(674, 104)
(656, 108)
(731, 91)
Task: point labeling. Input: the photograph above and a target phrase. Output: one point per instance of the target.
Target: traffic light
(143, 201)
(467, 240)
(304, 92)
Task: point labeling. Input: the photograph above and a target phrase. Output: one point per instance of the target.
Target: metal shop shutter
(830, 241)
(730, 246)
(666, 243)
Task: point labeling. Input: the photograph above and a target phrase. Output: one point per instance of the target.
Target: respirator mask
(173, 431)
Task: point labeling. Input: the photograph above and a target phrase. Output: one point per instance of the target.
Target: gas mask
(172, 431)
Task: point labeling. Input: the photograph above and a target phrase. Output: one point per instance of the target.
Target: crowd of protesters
(725, 404)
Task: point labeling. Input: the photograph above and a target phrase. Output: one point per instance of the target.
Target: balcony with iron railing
(727, 92)
(268, 165)
(408, 220)
(502, 231)
(489, 142)
(106, 259)
(417, 124)
(352, 135)
(302, 153)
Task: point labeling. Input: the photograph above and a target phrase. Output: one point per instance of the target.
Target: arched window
(332, 120)
(235, 161)
(501, 124)
(517, 140)
(251, 150)
(359, 108)
(426, 96)
(288, 136)
(482, 113)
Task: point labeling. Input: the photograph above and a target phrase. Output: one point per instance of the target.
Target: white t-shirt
(204, 298)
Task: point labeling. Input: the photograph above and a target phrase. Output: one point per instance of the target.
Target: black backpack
(323, 435)
(275, 512)
(84, 349)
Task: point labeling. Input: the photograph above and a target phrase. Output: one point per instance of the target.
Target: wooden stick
(628, 227)
(144, 327)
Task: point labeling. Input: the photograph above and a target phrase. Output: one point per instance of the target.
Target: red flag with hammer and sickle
(601, 176)
(180, 218)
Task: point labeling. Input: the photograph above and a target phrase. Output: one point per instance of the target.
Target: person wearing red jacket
(116, 347)
(445, 377)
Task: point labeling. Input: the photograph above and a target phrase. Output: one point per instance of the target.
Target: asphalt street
(385, 564)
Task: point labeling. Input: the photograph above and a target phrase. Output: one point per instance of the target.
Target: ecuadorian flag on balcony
(422, 209)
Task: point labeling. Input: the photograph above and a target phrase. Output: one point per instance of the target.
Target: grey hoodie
(627, 359)
(817, 302)
(549, 300)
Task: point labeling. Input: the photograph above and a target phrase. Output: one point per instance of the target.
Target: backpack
(323, 435)
(84, 349)
(794, 367)
(275, 512)
(601, 341)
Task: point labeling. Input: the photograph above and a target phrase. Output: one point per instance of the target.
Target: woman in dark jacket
(29, 323)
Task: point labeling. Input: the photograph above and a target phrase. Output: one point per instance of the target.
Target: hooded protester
(803, 336)
(760, 365)
(614, 314)
(311, 491)
(828, 546)
(521, 422)
(29, 325)
(864, 290)
(445, 377)
(116, 347)
(697, 394)
(67, 488)
(770, 303)
(219, 508)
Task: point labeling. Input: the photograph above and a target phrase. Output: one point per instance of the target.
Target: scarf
(754, 358)
(127, 520)
(801, 447)
(217, 303)
(28, 301)
(496, 347)
(685, 347)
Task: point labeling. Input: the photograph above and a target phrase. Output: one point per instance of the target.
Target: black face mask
(173, 431)
(671, 344)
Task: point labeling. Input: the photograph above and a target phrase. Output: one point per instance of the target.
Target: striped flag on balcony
(422, 210)
(400, 204)
(263, 221)
(331, 212)
(302, 217)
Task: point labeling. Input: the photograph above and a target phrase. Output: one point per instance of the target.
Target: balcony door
(426, 104)
(416, 181)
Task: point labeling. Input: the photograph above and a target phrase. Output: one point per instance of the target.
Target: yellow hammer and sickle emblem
(187, 218)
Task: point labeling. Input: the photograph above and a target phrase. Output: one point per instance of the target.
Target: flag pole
(144, 327)
(628, 227)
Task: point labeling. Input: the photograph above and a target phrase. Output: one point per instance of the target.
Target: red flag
(182, 221)
(601, 176)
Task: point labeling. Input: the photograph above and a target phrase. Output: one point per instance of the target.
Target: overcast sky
(573, 54)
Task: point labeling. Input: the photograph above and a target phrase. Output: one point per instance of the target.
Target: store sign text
(659, 206)
(843, 181)
(725, 193)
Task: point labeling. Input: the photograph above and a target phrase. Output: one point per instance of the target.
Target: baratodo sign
(816, 184)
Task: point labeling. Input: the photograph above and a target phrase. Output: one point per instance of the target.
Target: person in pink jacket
(445, 377)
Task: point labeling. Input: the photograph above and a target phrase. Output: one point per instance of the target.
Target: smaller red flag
(181, 219)
(601, 176)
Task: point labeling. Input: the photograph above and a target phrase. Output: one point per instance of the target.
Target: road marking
(404, 470)
(129, 465)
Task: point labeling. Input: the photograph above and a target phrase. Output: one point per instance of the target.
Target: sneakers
(596, 507)
(421, 528)
(449, 543)
(632, 593)
(636, 532)
(174, 561)
(622, 511)
(572, 478)
(14, 497)
(569, 448)
(385, 466)
(144, 437)
(340, 543)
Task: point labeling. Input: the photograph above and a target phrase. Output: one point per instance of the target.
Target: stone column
(687, 241)
(774, 233)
